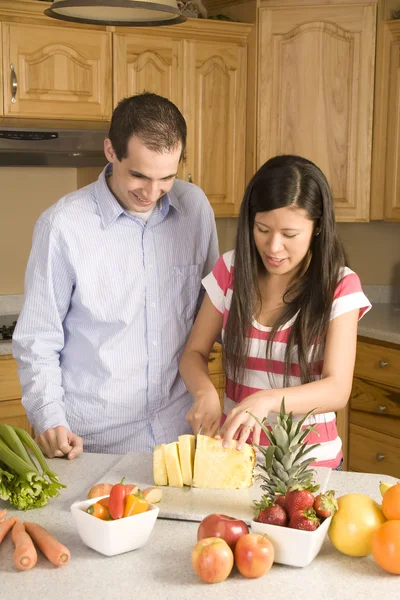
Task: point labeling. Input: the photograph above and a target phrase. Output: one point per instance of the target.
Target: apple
(229, 529)
(254, 555)
(212, 559)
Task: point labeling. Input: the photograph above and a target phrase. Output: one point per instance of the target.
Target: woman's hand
(240, 424)
(205, 414)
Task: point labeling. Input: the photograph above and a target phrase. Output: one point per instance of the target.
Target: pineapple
(286, 466)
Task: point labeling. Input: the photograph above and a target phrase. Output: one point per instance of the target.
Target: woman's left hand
(240, 424)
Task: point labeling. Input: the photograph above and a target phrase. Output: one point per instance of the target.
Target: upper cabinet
(56, 72)
(316, 93)
(202, 67)
(386, 172)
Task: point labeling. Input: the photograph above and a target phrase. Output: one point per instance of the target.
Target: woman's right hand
(205, 414)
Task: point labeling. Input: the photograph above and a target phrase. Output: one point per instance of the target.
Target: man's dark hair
(155, 120)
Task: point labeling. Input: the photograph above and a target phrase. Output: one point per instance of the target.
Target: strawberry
(306, 520)
(273, 515)
(280, 500)
(299, 499)
(325, 505)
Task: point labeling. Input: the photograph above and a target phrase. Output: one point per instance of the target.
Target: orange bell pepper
(135, 504)
(99, 511)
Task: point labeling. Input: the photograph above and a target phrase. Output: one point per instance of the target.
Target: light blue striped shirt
(109, 303)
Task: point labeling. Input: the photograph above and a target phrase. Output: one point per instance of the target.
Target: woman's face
(283, 237)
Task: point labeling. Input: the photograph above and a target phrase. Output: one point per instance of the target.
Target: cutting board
(193, 504)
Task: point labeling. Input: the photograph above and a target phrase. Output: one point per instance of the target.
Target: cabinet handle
(380, 456)
(190, 180)
(382, 364)
(14, 84)
(381, 408)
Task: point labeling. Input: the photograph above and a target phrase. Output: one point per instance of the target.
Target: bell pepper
(116, 502)
(135, 504)
(99, 511)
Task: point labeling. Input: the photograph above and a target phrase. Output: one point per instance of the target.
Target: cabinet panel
(371, 452)
(378, 363)
(316, 83)
(12, 413)
(58, 72)
(392, 188)
(9, 383)
(214, 106)
(375, 399)
(147, 63)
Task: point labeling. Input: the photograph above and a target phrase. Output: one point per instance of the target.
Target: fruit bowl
(293, 547)
(113, 537)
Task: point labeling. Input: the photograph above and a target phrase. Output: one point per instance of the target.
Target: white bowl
(113, 537)
(293, 547)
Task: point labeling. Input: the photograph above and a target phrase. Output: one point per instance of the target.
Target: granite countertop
(162, 569)
(382, 323)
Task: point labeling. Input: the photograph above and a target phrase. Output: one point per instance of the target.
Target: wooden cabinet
(374, 411)
(216, 370)
(11, 410)
(56, 73)
(316, 91)
(202, 68)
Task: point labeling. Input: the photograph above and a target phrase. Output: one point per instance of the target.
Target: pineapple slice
(171, 456)
(216, 467)
(186, 456)
(159, 467)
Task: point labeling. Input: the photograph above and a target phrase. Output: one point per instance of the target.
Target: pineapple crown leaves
(287, 459)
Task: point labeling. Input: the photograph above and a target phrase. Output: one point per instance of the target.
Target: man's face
(140, 179)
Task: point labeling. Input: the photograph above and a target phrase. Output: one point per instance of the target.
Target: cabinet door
(214, 106)
(392, 189)
(12, 413)
(58, 73)
(315, 93)
(147, 63)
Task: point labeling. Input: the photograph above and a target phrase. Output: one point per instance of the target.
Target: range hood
(51, 147)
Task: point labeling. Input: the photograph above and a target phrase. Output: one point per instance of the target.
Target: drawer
(13, 413)
(377, 363)
(372, 452)
(375, 398)
(215, 359)
(9, 382)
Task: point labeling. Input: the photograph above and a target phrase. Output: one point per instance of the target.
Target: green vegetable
(21, 483)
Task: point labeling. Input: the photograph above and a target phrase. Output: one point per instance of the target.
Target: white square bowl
(293, 547)
(113, 537)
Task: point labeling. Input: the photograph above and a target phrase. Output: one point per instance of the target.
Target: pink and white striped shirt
(348, 296)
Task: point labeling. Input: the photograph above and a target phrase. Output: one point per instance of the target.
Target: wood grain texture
(378, 363)
(373, 452)
(10, 388)
(392, 170)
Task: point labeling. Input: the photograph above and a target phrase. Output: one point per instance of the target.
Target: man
(111, 289)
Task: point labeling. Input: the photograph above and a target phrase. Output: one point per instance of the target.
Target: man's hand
(59, 441)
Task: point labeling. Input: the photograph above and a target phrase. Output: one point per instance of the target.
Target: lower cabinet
(374, 410)
(11, 410)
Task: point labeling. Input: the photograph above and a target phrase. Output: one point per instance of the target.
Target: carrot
(5, 527)
(57, 554)
(25, 555)
(3, 515)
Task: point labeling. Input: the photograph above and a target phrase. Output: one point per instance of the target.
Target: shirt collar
(110, 208)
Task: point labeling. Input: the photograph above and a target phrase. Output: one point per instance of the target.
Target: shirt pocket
(186, 283)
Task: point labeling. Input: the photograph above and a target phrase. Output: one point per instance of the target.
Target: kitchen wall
(373, 248)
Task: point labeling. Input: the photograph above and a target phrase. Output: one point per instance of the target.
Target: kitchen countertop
(162, 569)
(382, 323)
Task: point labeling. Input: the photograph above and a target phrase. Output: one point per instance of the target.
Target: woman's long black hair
(285, 181)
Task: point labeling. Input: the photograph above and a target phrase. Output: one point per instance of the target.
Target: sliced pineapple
(171, 457)
(216, 467)
(159, 467)
(186, 446)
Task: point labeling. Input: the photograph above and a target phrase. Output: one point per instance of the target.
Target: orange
(391, 502)
(386, 546)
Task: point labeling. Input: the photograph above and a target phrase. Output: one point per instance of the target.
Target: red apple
(212, 559)
(254, 555)
(229, 529)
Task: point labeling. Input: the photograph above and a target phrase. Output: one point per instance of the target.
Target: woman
(287, 308)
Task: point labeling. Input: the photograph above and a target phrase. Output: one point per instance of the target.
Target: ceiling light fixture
(129, 13)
